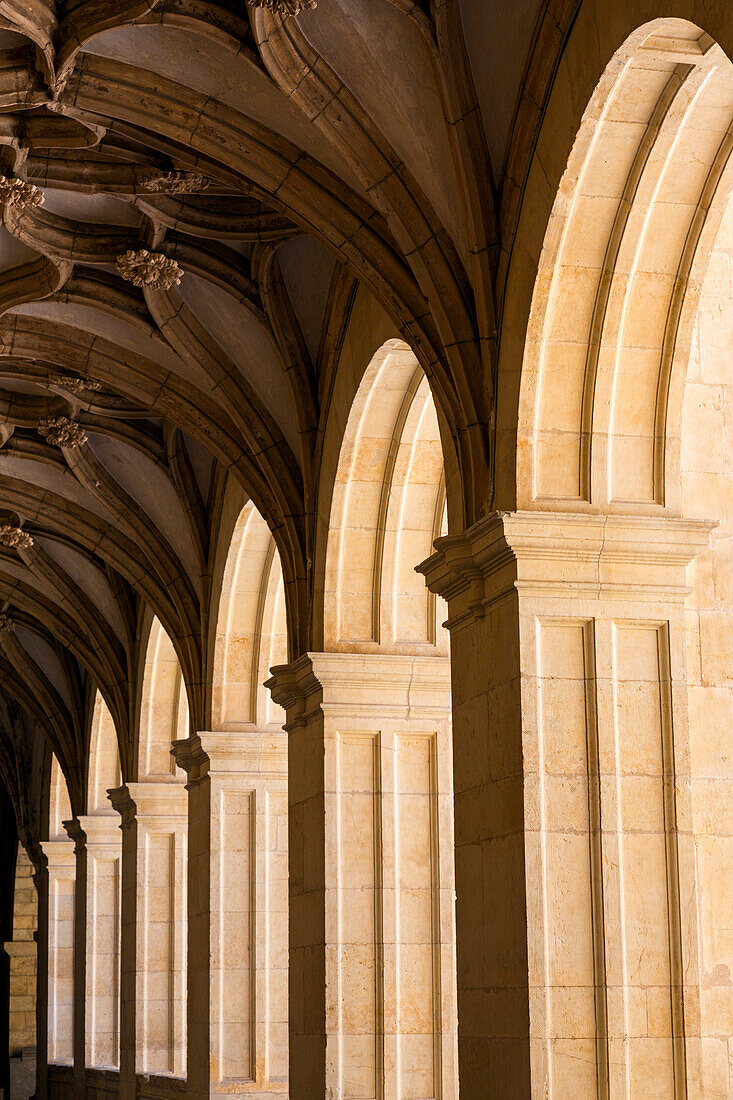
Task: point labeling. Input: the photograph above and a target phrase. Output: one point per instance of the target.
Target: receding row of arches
(560, 765)
(388, 506)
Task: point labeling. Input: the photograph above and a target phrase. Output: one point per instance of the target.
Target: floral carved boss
(174, 183)
(284, 7)
(62, 431)
(153, 270)
(15, 537)
(19, 194)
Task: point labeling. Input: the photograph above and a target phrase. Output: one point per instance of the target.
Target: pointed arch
(617, 281)
(104, 758)
(59, 803)
(387, 508)
(251, 628)
(164, 712)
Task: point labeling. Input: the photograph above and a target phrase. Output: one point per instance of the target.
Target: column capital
(76, 833)
(398, 684)
(135, 800)
(246, 753)
(563, 553)
(34, 851)
(59, 854)
(20, 949)
(101, 828)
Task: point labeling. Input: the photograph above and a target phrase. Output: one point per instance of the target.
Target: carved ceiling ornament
(15, 537)
(285, 7)
(6, 624)
(19, 193)
(62, 431)
(149, 269)
(73, 384)
(174, 183)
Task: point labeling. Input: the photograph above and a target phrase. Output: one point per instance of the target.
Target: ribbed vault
(192, 196)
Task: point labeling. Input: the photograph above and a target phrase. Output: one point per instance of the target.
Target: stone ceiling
(192, 192)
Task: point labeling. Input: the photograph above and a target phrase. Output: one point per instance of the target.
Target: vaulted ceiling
(192, 193)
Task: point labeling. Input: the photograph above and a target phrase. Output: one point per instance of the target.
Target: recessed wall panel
(236, 909)
(103, 960)
(359, 916)
(571, 892)
(156, 1003)
(649, 889)
(417, 949)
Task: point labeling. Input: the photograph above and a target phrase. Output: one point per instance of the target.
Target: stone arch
(609, 328)
(100, 832)
(59, 804)
(605, 417)
(104, 758)
(705, 486)
(251, 630)
(164, 714)
(369, 332)
(60, 862)
(388, 507)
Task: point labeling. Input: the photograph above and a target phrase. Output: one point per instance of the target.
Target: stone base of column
(23, 1073)
(153, 1087)
(102, 1084)
(61, 1082)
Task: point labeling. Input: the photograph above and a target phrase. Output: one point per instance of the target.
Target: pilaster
(61, 871)
(237, 924)
(576, 934)
(101, 837)
(372, 1009)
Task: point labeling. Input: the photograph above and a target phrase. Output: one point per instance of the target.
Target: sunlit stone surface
(366, 549)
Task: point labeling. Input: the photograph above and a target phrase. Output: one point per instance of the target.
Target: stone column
(98, 879)
(61, 889)
(372, 1004)
(153, 932)
(576, 920)
(238, 913)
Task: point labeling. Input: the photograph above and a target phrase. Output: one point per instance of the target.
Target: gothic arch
(251, 629)
(608, 331)
(104, 758)
(387, 508)
(164, 715)
(58, 997)
(631, 217)
(59, 805)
